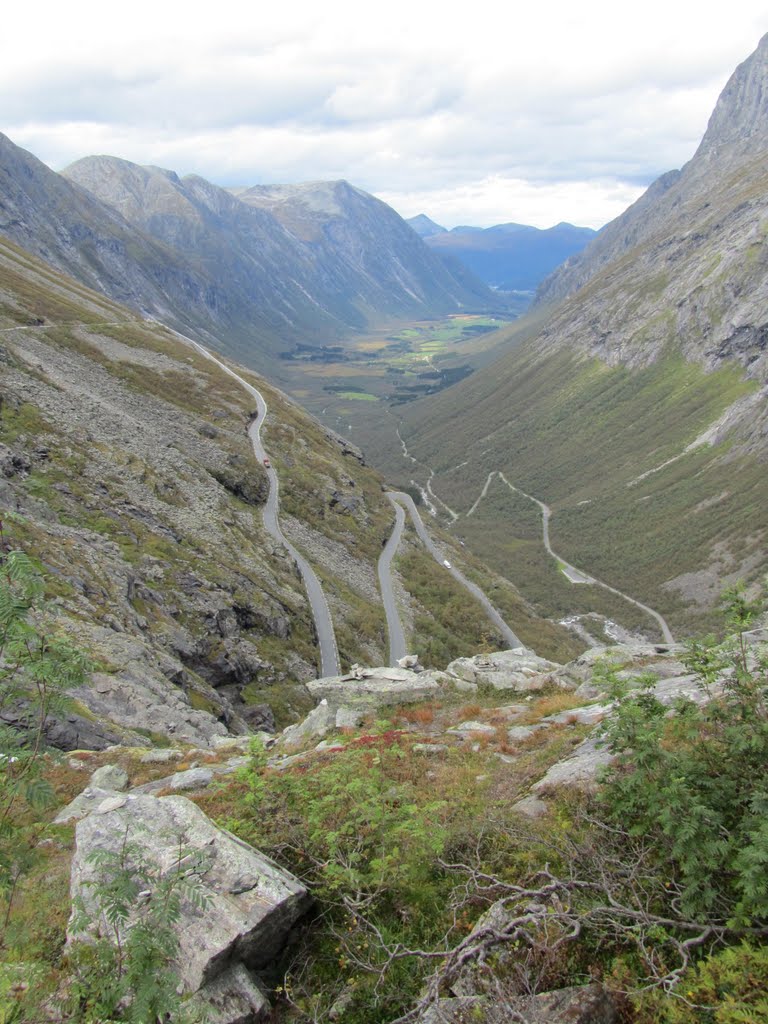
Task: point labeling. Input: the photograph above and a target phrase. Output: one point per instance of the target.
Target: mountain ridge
(510, 256)
(194, 255)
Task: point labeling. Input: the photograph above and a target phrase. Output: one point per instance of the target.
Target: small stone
(530, 806)
(110, 776)
(112, 803)
(518, 733)
(160, 756)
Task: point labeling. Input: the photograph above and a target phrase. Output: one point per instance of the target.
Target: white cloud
(491, 114)
(586, 204)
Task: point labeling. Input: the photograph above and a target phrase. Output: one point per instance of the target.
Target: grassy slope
(571, 430)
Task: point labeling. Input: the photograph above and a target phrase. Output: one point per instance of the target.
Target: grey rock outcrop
(65, 730)
(251, 903)
(316, 724)
(517, 669)
(375, 688)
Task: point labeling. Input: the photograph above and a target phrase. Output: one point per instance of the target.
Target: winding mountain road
(399, 498)
(326, 638)
(395, 631)
(574, 575)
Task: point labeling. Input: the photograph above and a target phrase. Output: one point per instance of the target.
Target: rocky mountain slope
(508, 257)
(637, 408)
(687, 205)
(126, 469)
(367, 251)
(193, 255)
(456, 807)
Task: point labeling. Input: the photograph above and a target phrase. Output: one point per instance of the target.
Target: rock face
(251, 903)
(710, 210)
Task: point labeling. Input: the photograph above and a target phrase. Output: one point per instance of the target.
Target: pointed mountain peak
(425, 227)
(741, 113)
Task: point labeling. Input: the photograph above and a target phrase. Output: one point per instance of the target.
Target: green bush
(694, 779)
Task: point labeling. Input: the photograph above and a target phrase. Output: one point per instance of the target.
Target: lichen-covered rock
(110, 776)
(251, 903)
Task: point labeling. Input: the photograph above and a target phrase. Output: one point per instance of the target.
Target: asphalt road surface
(394, 624)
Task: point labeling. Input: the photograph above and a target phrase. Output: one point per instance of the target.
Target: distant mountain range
(256, 274)
(633, 399)
(508, 257)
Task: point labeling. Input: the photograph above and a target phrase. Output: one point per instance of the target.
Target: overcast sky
(563, 111)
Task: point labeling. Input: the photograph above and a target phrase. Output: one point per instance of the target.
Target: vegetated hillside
(128, 472)
(126, 469)
(509, 257)
(637, 411)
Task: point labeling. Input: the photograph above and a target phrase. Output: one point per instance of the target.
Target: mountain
(736, 135)
(194, 255)
(636, 407)
(509, 257)
(67, 227)
(368, 252)
(424, 227)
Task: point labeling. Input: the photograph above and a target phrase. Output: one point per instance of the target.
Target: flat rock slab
(469, 729)
(83, 804)
(164, 756)
(192, 778)
(251, 902)
(580, 769)
(590, 715)
(519, 733)
(375, 688)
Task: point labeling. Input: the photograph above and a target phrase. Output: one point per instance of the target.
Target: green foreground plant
(125, 966)
(37, 666)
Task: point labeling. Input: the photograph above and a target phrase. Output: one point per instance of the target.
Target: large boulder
(250, 903)
(374, 688)
(517, 669)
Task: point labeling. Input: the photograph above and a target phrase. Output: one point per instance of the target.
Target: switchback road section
(326, 638)
(573, 574)
(405, 502)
